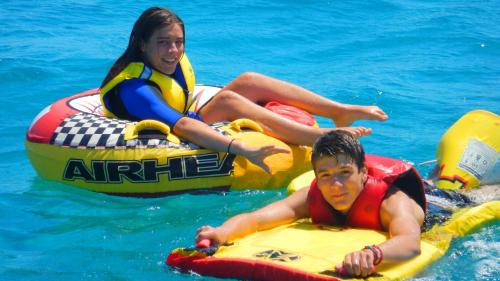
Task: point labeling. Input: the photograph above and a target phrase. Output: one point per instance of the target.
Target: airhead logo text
(148, 170)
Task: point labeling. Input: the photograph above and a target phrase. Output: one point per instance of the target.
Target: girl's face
(164, 48)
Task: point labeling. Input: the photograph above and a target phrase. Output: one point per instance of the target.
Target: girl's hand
(257, 155)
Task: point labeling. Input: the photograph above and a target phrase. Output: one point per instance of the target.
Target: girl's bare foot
(352, 113)
(356, 131)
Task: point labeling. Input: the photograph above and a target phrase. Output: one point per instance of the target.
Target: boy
(387, 195)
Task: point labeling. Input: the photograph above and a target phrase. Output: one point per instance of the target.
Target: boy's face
(339, 180)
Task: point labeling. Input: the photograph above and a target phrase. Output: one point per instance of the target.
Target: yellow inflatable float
(306, 251)
(467, 156)
(468, 153)
(73, 143)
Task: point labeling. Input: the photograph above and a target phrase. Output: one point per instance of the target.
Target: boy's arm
(402, 217)
(278, 213)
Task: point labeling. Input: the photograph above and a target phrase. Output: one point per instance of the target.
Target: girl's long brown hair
(150, 20)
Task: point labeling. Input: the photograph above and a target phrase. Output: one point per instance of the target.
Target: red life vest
(365, 211)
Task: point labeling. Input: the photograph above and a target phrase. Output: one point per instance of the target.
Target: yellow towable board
(468, 153)
(305, 251)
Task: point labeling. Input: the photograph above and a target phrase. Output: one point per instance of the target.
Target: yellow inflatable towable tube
(72, 142)
(468, 153)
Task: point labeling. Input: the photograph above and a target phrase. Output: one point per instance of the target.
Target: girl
(153, 79)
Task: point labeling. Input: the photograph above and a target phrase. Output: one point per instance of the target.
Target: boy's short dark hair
(339, 142)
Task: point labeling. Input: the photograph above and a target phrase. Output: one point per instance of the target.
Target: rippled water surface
(425, 62)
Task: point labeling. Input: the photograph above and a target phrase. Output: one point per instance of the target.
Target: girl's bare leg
(262, 89)
(228, 105)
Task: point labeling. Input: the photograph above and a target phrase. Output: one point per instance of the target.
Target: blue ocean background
(426, 63)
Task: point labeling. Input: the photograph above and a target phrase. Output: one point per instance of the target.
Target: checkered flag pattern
(92, 131)
(85, 130)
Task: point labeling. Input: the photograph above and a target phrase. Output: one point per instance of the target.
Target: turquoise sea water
(425, 62)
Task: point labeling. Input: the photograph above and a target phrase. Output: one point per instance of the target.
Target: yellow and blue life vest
(177, 96)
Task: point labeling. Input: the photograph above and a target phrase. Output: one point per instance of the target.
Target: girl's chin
(168, 70)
